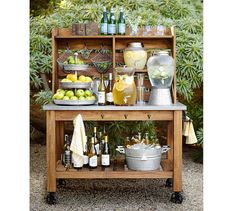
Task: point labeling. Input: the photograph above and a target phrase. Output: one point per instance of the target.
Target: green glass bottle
(104, 21)
(121, 23)
(111, 27)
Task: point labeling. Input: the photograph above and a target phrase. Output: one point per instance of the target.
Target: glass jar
(135, 55)
(124, 89)
(161, 70)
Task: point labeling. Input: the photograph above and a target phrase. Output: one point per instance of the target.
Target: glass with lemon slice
(124, 89)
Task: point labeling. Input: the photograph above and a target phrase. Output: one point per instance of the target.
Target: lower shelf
(117, 171)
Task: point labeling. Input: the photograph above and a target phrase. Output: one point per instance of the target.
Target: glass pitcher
(124, 89)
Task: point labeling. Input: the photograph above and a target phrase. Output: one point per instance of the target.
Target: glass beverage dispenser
(161, 71)
(124, 89)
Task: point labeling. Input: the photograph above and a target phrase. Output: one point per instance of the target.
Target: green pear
(73, 98)
(88, 92)
(69, 93)
(79, 93)
(59, 96)
(66, 98)
(82, 98)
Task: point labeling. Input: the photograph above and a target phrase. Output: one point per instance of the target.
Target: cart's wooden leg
(59, 138)
(177, 180)
(170, 140)
(51, 151)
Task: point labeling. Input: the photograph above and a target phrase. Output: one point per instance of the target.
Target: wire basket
(63, 57)
(102, 62)
(70, 67)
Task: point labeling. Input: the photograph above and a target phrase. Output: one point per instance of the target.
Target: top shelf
(115, 36)
(62, 33)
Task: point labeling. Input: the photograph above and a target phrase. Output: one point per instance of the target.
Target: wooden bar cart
(171, 168)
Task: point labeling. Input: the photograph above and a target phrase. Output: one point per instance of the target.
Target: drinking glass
(160, 30)
(133, 23)
(140, 95)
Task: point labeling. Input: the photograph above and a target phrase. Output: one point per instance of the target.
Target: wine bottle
(100, 139)
(103, 138)
(111, 27)
(139, 137)
(105, 153)
(85, 153)
(109, 96)
(146, 139)
(103, 24)
(121, 23)
(96, 141)
(93, 159)
(101, 92)
(104, 131)
(67, 152)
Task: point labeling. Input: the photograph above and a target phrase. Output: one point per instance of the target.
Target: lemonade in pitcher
(124, 89)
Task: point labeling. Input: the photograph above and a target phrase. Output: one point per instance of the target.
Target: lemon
(71, 77)
(88, 79)
(66, 80)
(82, 78)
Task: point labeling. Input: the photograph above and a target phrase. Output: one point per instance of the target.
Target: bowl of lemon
(74, 81)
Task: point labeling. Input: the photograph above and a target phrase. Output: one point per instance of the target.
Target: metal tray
(74, 102)
(75, 67)
(76, 85)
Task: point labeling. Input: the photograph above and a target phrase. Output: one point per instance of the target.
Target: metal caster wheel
(176, 198)
(51, 198)
(169, 183)
(61, 183)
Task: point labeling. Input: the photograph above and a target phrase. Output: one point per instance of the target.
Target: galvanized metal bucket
(143, 159)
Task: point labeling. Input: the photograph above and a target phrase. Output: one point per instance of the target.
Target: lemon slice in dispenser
(120, 86)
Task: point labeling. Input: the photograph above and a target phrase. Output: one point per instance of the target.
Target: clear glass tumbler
(140, 95)
(160, 30)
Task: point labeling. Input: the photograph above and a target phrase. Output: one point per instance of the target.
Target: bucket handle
(165, 149)
(120, 149)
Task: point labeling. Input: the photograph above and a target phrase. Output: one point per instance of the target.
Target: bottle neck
(104, 15)
(110, 76)
(112, 15)
(102, 79)
(139, 136)
(92, 141)
(66, 139)
(106, 139)
(104, 130)
(122, 16)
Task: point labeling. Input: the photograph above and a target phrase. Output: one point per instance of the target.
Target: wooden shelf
(113, 36)
(63, 37)
(83, 37)
(166, 171)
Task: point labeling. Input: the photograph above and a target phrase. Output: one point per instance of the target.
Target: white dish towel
(189, 132)
(78, 141)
